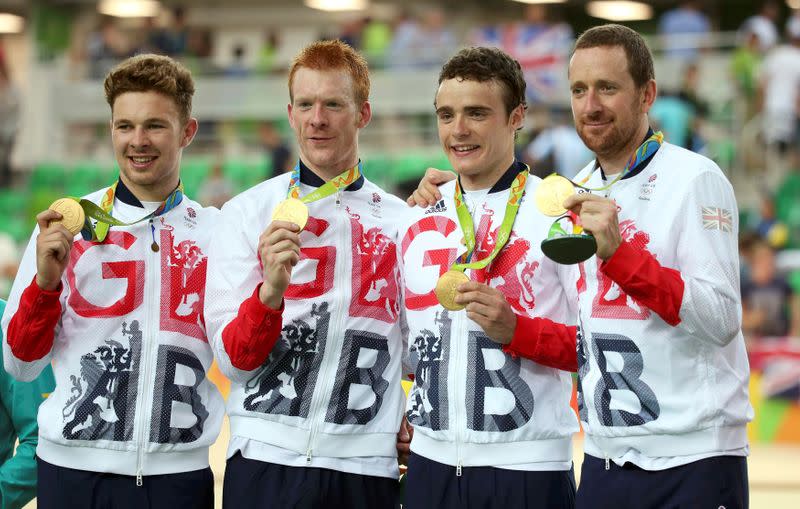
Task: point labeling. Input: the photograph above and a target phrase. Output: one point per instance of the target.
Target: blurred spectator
(558, 148)
(351, 32)
(779, 85)
(172, 39)
(9, 121)
(276, 147)
(216, 189)
(767, 226)
(265, 60)
(541, 46)
(199, 49)
(375, 41)
(787, 204)
(105, 47)
(238, 68)
(762, 26)
(744, 68)
(684, 30)
(679, 114)
(425, 43)
(672, 115)
(9, 263)
(770, 308)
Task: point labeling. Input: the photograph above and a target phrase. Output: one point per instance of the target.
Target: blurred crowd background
(729, 87)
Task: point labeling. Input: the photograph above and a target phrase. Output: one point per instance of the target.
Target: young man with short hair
(119, 313)
(491, 429)
(304, 309)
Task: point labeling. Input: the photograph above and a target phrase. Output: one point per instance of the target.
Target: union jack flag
(715, 218)
(542, 51)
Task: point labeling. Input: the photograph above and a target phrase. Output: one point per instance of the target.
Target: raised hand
(279, 251)
(427, 193)
(53, 245)
(598, 217)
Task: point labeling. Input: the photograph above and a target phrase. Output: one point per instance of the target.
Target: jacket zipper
(332, 345)
(144, 372)
(459, 396)
(586, 339)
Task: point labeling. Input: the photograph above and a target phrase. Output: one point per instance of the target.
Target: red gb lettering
(375, 274)
(183, 279)
(611, 301)
(132, 271)
(325, 257)
(442, 258)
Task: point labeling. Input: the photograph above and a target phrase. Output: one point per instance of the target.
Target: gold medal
(72, 215)
(447, 289)
(291, 210)
(551, 193)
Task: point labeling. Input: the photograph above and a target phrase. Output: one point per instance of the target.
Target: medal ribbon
(645, 150)
(338, 182)
(503, 234)
(103, 216)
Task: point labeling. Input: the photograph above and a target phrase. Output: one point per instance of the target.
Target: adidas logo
(437, 208)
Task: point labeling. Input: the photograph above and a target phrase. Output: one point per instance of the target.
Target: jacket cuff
(31, 330)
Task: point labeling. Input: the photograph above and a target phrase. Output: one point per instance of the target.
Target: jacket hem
(331, 445)
(110, 461)
(705, 441)
(493, 454)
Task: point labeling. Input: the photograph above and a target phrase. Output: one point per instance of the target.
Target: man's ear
(364, 114)
(649, 96)
(517, 117)
(188, 132)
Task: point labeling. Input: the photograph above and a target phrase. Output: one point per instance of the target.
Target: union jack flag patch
(715, 218)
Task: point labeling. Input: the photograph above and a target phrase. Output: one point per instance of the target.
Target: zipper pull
(308, 456)
(338, 198)
(608, 463)
(458, 469)
(139, 477)
(154, 245)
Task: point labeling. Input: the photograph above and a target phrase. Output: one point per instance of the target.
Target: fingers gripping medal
(291, 210)
(447, 289)
(567, 242)
(72, 215)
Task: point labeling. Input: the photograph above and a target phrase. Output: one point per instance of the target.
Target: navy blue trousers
(714, 483)
(68, 488)
(255, 484)
(434, 485)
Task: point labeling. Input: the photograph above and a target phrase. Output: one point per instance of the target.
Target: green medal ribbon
(340, 181)
(504, 232)
(102, 213)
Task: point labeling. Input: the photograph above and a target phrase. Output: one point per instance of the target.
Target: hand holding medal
(279, 244)
(566, 241)
(569, 240)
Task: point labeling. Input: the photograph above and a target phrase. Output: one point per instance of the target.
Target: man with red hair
(304, 309)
